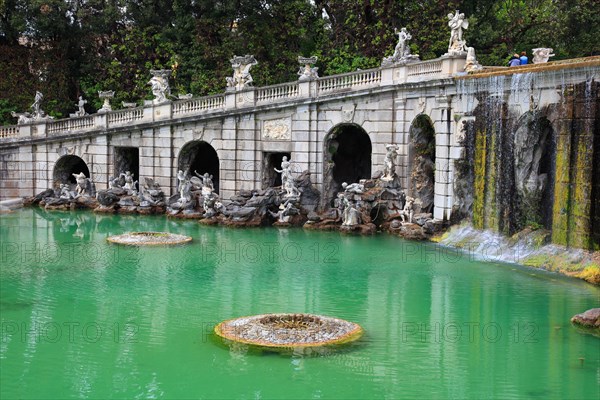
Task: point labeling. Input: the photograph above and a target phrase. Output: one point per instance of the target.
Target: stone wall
(474, 117)
(531, 163)
(575, 213)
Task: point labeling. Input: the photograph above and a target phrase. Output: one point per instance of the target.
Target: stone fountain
(288, 332)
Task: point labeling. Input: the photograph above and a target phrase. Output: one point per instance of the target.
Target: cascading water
(529, 247)
(530, 154)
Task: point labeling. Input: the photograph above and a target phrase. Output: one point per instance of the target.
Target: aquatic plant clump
(149, 239)
(289, 330)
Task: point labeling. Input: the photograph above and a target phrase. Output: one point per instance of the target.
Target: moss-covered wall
(574, 181)
(562, 182)
(595, 211)
(480, 174)
(488, 158)
(490, 210)
(575, 208)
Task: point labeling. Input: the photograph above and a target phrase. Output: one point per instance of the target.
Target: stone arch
(199, 156)
(534, 168)
(126, 159)
(421, 162)
(347, 158)
(65, 167)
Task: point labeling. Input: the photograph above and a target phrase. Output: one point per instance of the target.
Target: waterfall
(530, 248)
(535, 152)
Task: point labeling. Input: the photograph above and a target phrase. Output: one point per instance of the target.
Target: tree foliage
(67, 48)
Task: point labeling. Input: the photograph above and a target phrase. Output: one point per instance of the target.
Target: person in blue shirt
(514, 61)
(524, 58)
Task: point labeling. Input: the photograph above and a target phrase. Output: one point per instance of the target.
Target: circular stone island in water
(289, 331)
(149, 239)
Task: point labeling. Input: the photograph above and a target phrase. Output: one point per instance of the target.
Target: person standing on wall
(524, 58)
(514, 61)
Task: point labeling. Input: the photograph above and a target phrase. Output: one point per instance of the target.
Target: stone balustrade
(71, 124)
(192, 106)
(352, 80)
(123, 117)
(361, 80)
(9, 131)
(424, 69)
(231, 100)
(274, 93)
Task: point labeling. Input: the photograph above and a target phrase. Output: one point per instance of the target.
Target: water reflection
(137, 321)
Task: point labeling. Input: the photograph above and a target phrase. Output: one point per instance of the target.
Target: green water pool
(82, 318)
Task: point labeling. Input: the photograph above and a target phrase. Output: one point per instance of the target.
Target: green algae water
(82, 318)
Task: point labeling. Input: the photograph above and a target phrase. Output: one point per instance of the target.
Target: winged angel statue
(457, 23)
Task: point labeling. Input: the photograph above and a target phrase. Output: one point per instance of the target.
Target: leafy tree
(67, 48)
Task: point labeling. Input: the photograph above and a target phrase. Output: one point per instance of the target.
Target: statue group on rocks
(196, 197)
(362, 207)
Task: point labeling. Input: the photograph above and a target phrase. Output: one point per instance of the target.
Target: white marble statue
(181, 183)
(351, 215)
(286, 210)
(80, 107)
(114, 183)
(241, 72)
(402, 49)
(106, 95)
(457, 23)
(82, 184)
(285, 171)
(290, 189)
(36, 106)
(408, 210)
(542, 54)
(22, 118)
(287, 180)
(129, 182)
(207, 183)
(306, 72)
(389, 163)
(210, 205)
(357, 188)
(472, 64)
(160, 85)
(37, 113)
(65, 192)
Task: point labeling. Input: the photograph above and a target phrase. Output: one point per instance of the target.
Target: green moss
(583, 268)
(581, 200)
(491, 209)
(537, 261)
(590, 273)
(560, 210)
(439, 238)
(479, 195)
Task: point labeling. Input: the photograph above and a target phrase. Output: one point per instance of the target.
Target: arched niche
(534, 170)
(421, 162)
(347, 158)
(127, 159)
(201, 157)
(65, 167)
